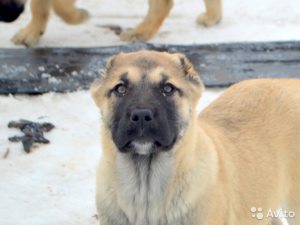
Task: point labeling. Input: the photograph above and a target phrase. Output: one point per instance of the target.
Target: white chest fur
(142, 184)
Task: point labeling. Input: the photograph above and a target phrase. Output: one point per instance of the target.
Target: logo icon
(257, 213)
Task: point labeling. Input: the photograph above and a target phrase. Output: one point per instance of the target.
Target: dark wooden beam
(42, 70)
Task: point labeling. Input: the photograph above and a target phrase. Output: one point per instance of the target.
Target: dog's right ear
(110, 64)
(97, 89)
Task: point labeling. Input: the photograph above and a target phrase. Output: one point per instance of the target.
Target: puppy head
(11, 9)
(147, 99)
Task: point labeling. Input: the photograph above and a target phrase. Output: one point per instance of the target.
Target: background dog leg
(158, 11)
(213, 13)
(68, 12)
(30, 35)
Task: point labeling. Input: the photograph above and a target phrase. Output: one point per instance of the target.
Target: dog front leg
(70, 14)
(158, 11)
(213, 14)
(30, 35)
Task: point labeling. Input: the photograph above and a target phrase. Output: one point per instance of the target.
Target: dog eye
(168, 89)
(120, 89)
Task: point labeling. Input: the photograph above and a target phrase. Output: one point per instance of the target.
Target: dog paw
(135, 36)
(26, 37)
(208, 21)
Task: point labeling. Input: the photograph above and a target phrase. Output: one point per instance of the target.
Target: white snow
(46, 75)
(41, 68)
(55, 184)
(74, 73)
(53, 80)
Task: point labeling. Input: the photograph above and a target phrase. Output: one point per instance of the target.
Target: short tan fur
(242, 151)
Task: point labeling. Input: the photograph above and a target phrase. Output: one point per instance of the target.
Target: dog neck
(143, 181)
(159, 189)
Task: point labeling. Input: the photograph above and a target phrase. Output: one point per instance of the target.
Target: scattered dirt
(33, 133)
(6, 153)
(115, 28)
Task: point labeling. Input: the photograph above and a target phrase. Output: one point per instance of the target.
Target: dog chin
(143, 148)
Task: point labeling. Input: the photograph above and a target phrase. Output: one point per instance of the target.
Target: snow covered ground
(54, 185)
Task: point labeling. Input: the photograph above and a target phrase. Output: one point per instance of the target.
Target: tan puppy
(158, 11)
(163, 164)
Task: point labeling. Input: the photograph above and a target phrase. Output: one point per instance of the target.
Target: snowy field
(55, 184)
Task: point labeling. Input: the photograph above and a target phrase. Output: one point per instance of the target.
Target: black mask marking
(144, 115)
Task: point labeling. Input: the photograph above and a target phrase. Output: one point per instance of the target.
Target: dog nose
(141, 115)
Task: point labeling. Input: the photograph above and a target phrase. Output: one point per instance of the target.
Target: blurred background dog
(157, 12)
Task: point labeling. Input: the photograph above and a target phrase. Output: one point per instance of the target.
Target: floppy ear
(96, 88)
(191, 75)
(189, 70)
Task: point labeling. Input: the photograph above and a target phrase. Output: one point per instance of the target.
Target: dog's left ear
(189, 71)
(191, 75)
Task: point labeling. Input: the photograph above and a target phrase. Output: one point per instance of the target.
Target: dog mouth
(146, 146)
